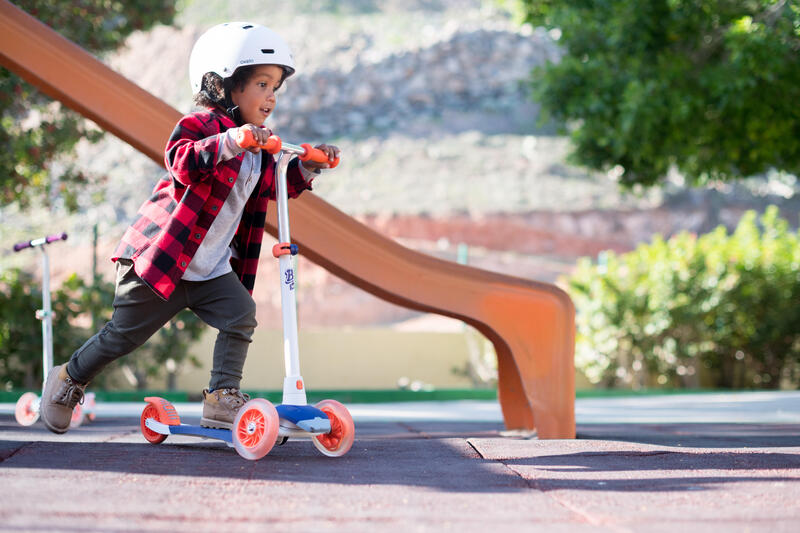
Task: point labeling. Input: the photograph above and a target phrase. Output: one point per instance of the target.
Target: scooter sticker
(289, 279)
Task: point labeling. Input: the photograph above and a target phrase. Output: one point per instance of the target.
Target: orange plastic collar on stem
(282, 248)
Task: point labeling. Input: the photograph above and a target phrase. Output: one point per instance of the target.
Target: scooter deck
(200, 431)
(306, 417)
(188, 429)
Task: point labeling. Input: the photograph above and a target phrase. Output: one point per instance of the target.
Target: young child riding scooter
(195, 242)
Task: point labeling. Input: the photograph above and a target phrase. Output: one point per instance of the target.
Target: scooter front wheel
(340, 439)
(26, 411)
(255, 429)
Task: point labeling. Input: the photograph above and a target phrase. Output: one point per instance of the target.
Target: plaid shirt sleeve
(172, 223)
(191, 153)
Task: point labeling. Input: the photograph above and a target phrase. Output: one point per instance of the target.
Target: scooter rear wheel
(77, 416)
(89, 405)
(340, 439)
(255, 429)
(25, 411)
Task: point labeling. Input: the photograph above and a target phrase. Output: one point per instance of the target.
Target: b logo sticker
(289, 279)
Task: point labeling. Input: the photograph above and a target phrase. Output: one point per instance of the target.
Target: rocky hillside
(429, 99)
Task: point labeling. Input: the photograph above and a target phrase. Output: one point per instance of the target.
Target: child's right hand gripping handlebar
(305, 152)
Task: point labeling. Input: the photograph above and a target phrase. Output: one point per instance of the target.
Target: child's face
(256, 100)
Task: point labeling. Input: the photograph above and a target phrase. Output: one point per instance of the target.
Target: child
(195, 243)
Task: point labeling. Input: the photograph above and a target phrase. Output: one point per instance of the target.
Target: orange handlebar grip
(273, 145)
(246, 139)
(315, 154)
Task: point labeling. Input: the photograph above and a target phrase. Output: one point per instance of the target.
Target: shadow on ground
(697, 435)
(437, 456)
(450, 457)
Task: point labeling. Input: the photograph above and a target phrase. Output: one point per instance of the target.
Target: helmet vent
(268, 50)
(247, 27)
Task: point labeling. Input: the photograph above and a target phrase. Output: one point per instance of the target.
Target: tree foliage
(74, 304)
(717, 310)
(709, 87)
(37, 135)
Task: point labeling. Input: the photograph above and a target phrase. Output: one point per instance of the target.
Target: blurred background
(642, 156)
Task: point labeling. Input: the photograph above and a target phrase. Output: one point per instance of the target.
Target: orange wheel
(255, 429)
(26, 411)
(342, 434)
(150, 411)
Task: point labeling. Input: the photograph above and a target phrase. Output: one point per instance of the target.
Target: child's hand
(332, 151)
(259, 134)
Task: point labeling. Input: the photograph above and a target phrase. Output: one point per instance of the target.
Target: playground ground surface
(692, 462)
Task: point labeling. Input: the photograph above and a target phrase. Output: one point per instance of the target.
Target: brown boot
(59, 398)
(220, 407)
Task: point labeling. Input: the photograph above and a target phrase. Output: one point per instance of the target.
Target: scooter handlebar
(245, 139)
(315, 154)
(40, 241)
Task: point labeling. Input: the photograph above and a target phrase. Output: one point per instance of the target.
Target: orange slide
(531, 324)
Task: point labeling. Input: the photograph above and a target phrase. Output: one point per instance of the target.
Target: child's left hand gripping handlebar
(305, 152)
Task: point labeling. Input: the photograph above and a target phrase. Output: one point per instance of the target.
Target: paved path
(719, 467)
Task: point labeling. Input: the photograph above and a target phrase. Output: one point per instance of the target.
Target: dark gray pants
(222, 303)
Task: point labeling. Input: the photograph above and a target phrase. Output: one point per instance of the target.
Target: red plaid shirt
(170, 226)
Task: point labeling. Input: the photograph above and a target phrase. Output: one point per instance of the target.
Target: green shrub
(21, 331)
(717, 310)
(79, 309)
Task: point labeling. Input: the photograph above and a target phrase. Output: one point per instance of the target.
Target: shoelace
(71, 396)
(237, 395)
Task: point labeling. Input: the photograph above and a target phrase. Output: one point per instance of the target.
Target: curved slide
(531, 324)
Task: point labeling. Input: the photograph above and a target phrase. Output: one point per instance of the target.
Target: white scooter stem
(294, 391)
(45, 314)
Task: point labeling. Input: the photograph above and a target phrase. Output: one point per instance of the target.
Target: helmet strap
(230, 107)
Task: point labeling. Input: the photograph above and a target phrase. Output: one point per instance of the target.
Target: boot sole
(215, 424)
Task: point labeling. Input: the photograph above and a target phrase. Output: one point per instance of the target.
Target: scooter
(27, 408)
(259, 425)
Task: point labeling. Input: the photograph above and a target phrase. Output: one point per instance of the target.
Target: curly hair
(212, 93)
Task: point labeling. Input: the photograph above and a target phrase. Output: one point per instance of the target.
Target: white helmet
(226, 47)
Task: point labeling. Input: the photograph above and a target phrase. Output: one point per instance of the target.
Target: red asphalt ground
(407, 476)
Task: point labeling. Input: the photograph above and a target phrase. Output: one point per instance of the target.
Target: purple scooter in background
(27, 408)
